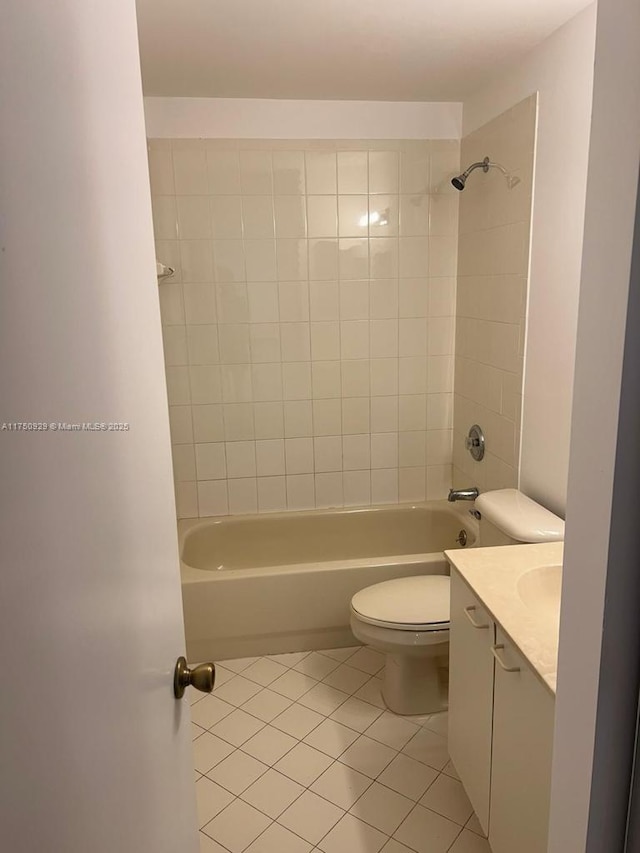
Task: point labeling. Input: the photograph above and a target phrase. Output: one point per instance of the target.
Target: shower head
(460, 181)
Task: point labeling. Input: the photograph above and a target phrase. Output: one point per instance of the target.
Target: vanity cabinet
(471, 695)
(500, 728)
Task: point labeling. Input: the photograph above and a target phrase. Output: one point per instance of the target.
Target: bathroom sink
(540, 588)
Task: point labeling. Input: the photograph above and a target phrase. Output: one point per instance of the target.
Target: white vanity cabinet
(500, 728)
(471, 695)
(523, 716)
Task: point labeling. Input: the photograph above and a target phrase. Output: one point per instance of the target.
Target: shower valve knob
(202, 677)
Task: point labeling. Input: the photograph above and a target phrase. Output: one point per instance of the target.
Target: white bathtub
(266, 584)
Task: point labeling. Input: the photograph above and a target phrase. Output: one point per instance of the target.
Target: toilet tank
(511, 518)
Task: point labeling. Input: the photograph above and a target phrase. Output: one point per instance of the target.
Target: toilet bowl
(408, 620)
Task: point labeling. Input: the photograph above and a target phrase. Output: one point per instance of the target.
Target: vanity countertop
(525, 609)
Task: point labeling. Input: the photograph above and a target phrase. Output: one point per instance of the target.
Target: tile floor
(296, 753)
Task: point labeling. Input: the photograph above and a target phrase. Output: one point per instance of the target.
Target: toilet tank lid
(519, 517)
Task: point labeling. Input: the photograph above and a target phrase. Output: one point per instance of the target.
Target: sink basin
(540, 588)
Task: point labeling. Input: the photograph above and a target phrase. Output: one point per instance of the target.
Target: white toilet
(408, 618)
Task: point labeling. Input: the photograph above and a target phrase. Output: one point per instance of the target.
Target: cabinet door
(471, 695)
(523, 711)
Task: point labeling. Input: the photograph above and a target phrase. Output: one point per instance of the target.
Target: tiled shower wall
(309, 329)
(493, 264)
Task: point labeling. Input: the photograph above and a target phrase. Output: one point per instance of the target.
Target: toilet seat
(406, 604)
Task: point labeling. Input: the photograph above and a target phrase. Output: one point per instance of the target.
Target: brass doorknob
(202, 677)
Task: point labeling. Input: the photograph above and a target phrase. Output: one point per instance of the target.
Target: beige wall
(309, 329)
(561, 71)
(493, 264)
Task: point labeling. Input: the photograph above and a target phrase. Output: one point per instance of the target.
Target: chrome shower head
(459, 182)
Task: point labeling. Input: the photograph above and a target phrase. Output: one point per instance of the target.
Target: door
(523, 717)
(94, 749)
(471, 695)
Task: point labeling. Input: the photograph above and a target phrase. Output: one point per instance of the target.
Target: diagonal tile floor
(296, 753)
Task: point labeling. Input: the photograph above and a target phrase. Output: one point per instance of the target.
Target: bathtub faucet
(469, 494)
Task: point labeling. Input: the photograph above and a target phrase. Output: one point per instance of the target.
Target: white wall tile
(383, 299)
(200, 304)
(324, 301)
(323, 259)
(290, 214)
(229, 260)
(356, 452)
(384, 171)
(257, 217)
(270, 457)
(357, 488)
(321, 172)
(353, 215)
(267, 381)
(210, 461)
(243, 496)
(356, 415)
(383, 257)
(293, 261)
(234, 343)
(298, 455)
(300, 491)
(238, 422)
(241, 458)
(353, 258)
(263, 302)
(223, 169)
(328, 453)
(353, 172)
(212, 497)
(329, 490)
(264, 342)
(272, 494)
(327, 417)
(384, 486)
(256, 175)
(190, 171)
(296, 380)
(384, 377)
(298, 419)
(288, 172)
(226, 217)
(322, 216)
(354, 339)
(308, 323)
(325, 341)
(326, 378)
(181, 424)
(206, 384)
(384, 414)
(295, 341)
(194, 222)
(260, 260)
(208, 423)
(384, 449)
(232, 303)
(269, 420)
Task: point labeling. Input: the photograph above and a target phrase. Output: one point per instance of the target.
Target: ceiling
(385, 50)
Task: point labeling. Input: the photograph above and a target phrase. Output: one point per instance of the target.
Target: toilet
(407, 619)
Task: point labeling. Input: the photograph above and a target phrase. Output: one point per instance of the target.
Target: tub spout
(469, 494)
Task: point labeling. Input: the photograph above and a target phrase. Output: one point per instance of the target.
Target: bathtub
(266, 584)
